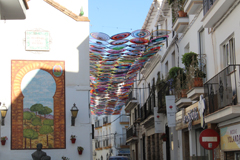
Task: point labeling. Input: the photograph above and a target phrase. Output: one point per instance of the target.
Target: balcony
(13, 9)
(194, 93)
(98, 145)
(106, 120)
(131, 134)
(180, 24)
(192, 6)
(121, 142)
(107, 143)
(131, 102)
(138, 114)
(124, 120)
(214, 10)
(163, 90)
(148, 112)
(220, 93)
(97, 124)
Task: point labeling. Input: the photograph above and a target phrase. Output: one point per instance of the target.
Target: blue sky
(117, 16)
(38, 86)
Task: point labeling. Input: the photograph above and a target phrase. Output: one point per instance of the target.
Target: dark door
(144, 154)
(168, 144)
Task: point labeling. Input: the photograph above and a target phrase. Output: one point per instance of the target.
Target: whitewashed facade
(211, 30)
(69, 43)
(110, 136)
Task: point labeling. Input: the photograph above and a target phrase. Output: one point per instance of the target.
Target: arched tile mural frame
(19, 68)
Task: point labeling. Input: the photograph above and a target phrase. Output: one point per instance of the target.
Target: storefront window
(237, 156)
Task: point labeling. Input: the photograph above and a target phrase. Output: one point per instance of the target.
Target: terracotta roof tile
(66, 11)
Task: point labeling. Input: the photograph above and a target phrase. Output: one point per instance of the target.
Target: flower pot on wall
(73, 140)
(181, 13)
(183, 93)
(80, 152)
(3, 142)
(198, 82)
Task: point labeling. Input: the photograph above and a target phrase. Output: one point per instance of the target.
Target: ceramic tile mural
(38, 104)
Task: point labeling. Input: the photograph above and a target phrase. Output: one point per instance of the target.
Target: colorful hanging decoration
(139, 41)
(141, 33)
(114, 66)
(120, 36)
(100, 36)
(119, 42)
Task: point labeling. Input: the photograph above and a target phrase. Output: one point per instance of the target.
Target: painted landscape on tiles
(38, 88)
(38, 104)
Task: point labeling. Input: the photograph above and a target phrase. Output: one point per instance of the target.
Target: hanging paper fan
(137, 46)
(116, 51)
(114, 55)
(160, 32)
(118, 47)
(120, 36)
(119, 42)
(99, 46)
(97, 50)
(134, 54)
(122, 67)
(99, 42)
(108, 63)
(135, 50)
(141, 33)
(159, 39)
(153, 48)
(139, 41)
(100, 36)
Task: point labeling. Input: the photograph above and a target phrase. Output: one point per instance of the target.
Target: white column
(192, 142)
(180, 145)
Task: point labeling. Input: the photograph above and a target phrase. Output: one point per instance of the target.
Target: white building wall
(69, 43)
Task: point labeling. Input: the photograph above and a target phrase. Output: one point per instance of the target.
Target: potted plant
(190, 58)
(178, 5)
(194, 74)
(65, 158)
(73, 138)
(80, 149)
(164, 137)
(3, 140)
(178, 77)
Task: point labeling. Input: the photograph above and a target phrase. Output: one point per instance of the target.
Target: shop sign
(201, 109)
(171, 110)
(37, 41)
(230, 137)
(191, 116)
(158, 121)
(209, 139)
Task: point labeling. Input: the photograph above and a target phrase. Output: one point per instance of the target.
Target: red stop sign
(209, 139)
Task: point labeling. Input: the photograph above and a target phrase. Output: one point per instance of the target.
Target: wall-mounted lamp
(74, 111)
(3, 112)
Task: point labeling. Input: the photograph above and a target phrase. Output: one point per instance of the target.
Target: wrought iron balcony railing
(130, 97)
(131, 132)
(147, 108)
(207, 4)
(97, 124)
(221, 90)
(163, 90)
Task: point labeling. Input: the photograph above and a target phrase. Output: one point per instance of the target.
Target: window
(173, 59)
(237, 156)
(166, 69)
(202, 55)
(166, 27)
(228, 57)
